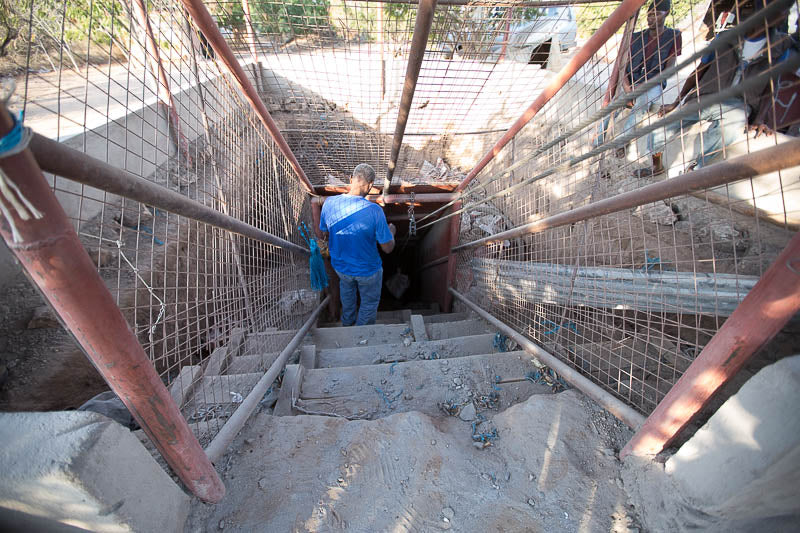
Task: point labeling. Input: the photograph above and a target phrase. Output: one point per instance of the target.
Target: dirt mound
(552, 468)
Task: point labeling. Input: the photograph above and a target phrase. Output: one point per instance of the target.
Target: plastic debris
(386, 399)
(362, 342)
(391, 368)
(547, 376)
(236, 397)
(500, 342)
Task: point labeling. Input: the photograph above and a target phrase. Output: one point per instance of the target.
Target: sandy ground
(553, 467)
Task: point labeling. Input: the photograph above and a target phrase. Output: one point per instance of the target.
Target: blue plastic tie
(11, 140)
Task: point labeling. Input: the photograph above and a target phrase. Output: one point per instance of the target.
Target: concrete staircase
(411, 360)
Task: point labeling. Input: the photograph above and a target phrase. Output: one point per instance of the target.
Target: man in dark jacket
(652, 51)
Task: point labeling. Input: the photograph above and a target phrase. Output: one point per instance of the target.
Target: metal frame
(762, 314)
(203, 20)
(58, 159)
(620, 15)
(746, 166)
(51, 253)
(419, 40)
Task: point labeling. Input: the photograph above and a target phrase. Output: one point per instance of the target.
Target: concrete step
(389, 353)
(246, 364)
(270, 341)
(217, 389)
(353, 335)
(375, 391)
(461, 328)
(445, 317)
(377, 321)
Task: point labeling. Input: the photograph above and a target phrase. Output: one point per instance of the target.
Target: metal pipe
(216, 449)
(764, 312)
(452, 259)
(251, 42)
(56, 158)
(622, 57)
(164, 92)
(203, 20)
(746, 166)
(423, 198)
(419, 40)
(625, 10)
(613, 405)
(54, 258)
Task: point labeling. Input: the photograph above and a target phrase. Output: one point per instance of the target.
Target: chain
(412, 222)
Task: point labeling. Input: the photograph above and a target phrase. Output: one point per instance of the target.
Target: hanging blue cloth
(319, 279)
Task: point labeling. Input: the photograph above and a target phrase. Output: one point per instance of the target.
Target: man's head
(361, 182)
(657, 13)
(750, 7)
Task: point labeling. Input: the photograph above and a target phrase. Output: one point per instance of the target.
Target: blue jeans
(369, 287)
(728, 122)
(640, 111)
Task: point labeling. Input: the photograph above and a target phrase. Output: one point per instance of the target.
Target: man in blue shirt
(354, 227)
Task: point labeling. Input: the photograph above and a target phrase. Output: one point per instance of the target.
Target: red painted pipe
(210, 29)
(164, 92)
(55, 260)
(419, 39)
(625, 10)
(766, 309)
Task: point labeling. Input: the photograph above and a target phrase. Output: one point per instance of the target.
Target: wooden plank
(765, 310)
(290, 390)
(418, 327)
(357, 336)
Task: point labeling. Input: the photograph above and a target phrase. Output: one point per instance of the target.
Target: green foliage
(591, 16)
(294, 17)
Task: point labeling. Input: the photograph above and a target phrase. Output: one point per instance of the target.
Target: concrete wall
(744, 464)
(83, 470)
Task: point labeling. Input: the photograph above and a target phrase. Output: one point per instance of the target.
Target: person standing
(652, 51)
(354, 228)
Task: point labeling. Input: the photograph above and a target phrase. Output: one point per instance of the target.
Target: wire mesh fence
(630, 298)
(141, 90)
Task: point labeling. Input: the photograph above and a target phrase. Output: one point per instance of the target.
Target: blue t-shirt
(355, 224)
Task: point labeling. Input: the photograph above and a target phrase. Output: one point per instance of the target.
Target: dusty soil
(552, 468)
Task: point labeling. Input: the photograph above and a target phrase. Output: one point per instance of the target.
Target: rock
(433, 443)
(362, 342)
(457, 381)
(406, 341)
(467, 413)
(531, 502)
(263, 483)
(44, 317)
(249, 442)
(448, 513)
(657, 213)
(102, 256)
(222, 524)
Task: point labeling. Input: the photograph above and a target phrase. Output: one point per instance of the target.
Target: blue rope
(11, 142)
(319, 279)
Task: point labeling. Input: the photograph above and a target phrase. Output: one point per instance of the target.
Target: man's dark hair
(364, 172)
(661, 5)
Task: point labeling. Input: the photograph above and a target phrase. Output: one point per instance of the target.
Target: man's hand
(760, 129)
(666, 108)
(393, 229)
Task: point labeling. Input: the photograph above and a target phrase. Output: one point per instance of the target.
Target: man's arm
(691, 83)
(387, 247)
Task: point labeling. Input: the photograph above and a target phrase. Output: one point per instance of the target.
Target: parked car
(530, 40)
